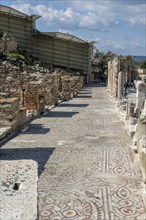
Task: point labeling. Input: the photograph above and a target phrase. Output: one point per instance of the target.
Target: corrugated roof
(58, 35)
(63, 36)
(9, 10)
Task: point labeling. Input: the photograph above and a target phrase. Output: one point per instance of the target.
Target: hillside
(139, 58)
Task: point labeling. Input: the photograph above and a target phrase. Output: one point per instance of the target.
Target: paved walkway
(86, 168)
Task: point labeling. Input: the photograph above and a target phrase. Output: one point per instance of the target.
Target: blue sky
(116, 25)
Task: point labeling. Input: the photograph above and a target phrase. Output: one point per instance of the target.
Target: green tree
(143, 65)
(100, 60)
(100, 64)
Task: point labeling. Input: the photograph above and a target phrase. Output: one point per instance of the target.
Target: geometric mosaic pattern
(90, 193)
(89, 205)
(85, 163)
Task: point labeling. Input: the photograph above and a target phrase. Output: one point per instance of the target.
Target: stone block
(9, 109)
(18, 190)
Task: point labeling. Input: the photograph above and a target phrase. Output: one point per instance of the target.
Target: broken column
(120, 85)
(113, 70)
(115, 78)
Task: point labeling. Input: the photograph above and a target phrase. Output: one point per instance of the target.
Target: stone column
(120, 85)
(109, 76)
(115, 77)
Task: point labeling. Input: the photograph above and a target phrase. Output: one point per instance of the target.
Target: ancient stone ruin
(29, 87)
(7, 42)
(121, 70)
(138, 120)
(129, 94)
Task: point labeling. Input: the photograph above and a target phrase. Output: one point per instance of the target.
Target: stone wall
(32, 89)
(68, 85)
(32, 96)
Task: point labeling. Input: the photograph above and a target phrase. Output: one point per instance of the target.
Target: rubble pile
(31, 87)
(7, 42)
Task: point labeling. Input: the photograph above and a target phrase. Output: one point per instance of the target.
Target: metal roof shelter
(14, 12)
(56, 48)
(63, 36)
(9, 10)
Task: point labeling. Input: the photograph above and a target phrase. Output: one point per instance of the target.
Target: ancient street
(86, 167)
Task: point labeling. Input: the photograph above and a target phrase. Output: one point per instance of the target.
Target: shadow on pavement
(58, 114)
(73, 105)
(83, 96)
(40, 155)
(36, 129)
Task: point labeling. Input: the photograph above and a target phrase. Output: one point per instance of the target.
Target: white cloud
(117, 45)
(92, 22)
(136, 45)
(132, 11)
(136, 14)
(69, 13)
(95, 6)
(89, 19)
(136, 20)
(49, 15)
(90, 15)
(23, 7)
(70, 17)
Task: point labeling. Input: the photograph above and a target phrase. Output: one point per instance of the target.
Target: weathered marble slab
(18, 190)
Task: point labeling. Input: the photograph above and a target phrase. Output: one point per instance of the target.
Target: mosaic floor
(91, 184)
(86, 168)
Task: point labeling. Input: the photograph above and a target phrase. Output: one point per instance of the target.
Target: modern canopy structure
(56, 48)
